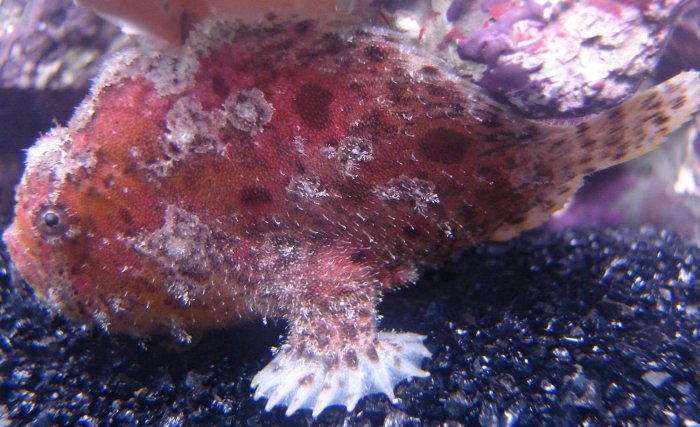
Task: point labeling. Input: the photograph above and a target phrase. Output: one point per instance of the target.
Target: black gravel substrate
(596, 328)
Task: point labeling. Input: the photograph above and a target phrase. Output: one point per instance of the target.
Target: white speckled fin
(305, 382)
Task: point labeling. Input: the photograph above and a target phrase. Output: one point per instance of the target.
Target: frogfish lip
(17, 255)
(10, 239)
(23, 263)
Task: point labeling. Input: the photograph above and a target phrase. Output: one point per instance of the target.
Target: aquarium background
(592, 319)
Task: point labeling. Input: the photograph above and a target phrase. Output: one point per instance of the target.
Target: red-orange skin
(347, 247)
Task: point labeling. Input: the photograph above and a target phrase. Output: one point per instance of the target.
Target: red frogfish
(295, 169)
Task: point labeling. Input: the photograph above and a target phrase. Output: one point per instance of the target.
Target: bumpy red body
(293, 169)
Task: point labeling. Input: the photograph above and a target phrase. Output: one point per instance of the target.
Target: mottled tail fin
(625, 132)
(638, 125)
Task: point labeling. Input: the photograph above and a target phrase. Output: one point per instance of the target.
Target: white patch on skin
(62, 296)
(190, 130)
(120, 305)
(182, 246)
(446, 228)
(193, 130)
(182, 243)
(82, 114)
(306, 187)
(47, 152)
(248, 110)
(52, 160)
(173, 73)
(299, 143)
(351, 152)
(211, 33)
(178, 332)
(182, 291)
(302, 381)
(124, 64)
(419, 192)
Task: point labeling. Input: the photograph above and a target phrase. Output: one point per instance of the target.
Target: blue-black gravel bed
(583, 327)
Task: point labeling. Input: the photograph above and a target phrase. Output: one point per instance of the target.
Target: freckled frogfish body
(298, 170)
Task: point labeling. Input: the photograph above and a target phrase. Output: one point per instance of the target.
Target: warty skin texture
(294, 169)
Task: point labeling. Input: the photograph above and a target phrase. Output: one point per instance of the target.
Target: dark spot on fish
(588, 143)
(355, 85)
(491, 121)
(396, 93)
(410, 231)
(562, 191)
(678, 103)
(126, 216)
(657, 105)
(616, 115)
(619, 154)
(313, 105)
(331, 43)
(559, 142)
(255, 196)
(543, 173)
(437, 91)
(661, 119)
(429, 70)
(359, 257)
(372, 354)
(350, 359)
(582, 128)
(219, 86)
(649, 99)
(375, 53)
(444, 146)
(519, 219)
(108, 181)
(353, 192)
(529, 133)
(303, 27)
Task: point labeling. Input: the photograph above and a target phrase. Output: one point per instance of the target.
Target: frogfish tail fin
(635, 127)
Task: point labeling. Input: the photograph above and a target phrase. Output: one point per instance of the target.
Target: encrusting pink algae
(296, 169)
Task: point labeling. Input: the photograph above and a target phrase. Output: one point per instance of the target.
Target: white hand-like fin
(302, 382)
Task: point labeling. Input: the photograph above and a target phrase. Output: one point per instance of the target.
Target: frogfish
(295, 169)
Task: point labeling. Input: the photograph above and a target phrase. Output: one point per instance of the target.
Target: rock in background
(49, 51)
(548, 58)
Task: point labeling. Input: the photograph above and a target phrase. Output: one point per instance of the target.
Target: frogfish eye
(52, 221)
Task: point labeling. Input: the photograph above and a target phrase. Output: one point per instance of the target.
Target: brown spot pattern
(411, 231)
(255, 196)
(444, 146)
(375, 53)
(219, 86)
(313, 106)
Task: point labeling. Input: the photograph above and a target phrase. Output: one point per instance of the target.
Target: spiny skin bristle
(291, 169)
